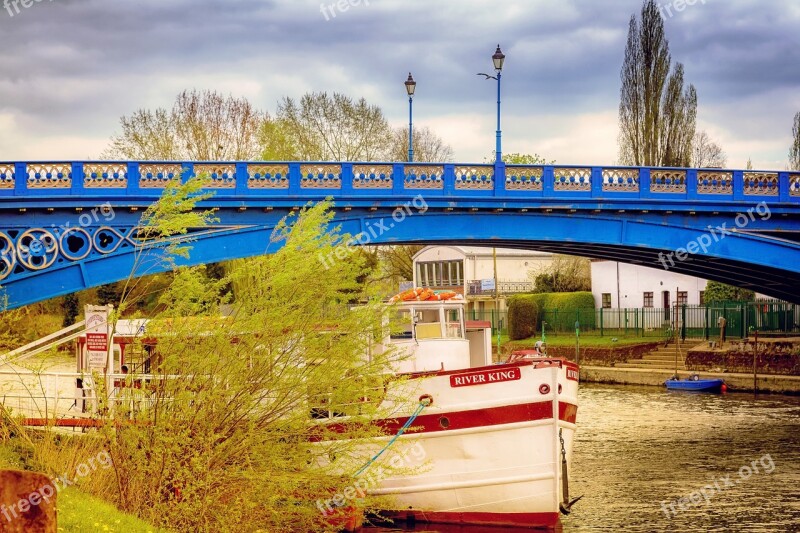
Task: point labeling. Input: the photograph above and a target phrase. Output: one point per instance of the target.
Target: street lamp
(411, 86)
(498, 58)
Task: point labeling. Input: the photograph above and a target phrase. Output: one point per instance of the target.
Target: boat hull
(699, 385)
(492, 449)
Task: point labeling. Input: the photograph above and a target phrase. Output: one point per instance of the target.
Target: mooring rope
(422, 405)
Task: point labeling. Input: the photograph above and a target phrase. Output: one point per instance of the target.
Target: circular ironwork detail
(8, 256)
(68, 240)
(37, 249)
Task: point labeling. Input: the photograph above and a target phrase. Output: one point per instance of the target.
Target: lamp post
(498, 58)
(411, 86)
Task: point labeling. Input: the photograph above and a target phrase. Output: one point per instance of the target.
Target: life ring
(426, 294)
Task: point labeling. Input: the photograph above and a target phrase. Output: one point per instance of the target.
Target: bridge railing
(364, 179)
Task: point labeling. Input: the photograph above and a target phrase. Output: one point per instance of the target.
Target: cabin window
(453, 328)
(401, 325)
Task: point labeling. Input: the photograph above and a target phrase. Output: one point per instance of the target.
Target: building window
(702, 297)
(648, 299)
(683, 297)
(606, 300)
(440, 274)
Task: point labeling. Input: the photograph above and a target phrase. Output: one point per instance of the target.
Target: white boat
(497, 438)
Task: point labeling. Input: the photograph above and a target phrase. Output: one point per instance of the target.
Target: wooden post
(27, 502)
(755, 363)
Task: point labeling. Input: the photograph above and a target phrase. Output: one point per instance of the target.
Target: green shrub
(523, 316)
(561, 309)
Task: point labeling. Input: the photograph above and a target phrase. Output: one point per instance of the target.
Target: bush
(560, 310)
(523, 316)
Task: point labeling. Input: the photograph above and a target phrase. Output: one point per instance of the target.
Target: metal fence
(692, 321)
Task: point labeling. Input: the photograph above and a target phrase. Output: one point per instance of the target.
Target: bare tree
(334, 128)
(794, 151)
(427, 146)
(656, 114)
(566, 273)
(201, 126)
(706, 153)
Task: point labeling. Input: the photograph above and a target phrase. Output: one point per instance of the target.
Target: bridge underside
(760, 262)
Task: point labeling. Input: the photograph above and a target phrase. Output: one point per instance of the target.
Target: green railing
(693, 321)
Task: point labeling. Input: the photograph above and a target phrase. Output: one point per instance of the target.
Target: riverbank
(736, 382)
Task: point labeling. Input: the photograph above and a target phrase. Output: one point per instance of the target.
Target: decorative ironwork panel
(8, 256)
(49, 175)
(794, 184)
(475, 177)
(157, 175)
(424, 177)
(761, 183)
(219, 176)
(321, 176)
(621, 179)
(668, 181)
(37, 249)
(6, 179)
(105, 175)
(715, 182)
(572, 179)
(524, 178)
(267, 176)
(373, 176)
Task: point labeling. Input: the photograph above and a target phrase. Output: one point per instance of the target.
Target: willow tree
(226, 434)
(657, 114)
(794, 151)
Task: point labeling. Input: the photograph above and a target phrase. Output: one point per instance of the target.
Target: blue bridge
(67, 226)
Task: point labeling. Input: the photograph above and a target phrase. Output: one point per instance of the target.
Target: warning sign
(96, 337)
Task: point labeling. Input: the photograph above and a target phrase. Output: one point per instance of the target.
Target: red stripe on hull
(516, 520)
(491, 416)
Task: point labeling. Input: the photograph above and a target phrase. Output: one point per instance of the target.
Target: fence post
(683, 322)
(626, 321)
(601, 321)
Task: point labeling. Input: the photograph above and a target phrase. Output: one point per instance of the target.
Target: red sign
(572, 374)
(97, 342)
(485, 376)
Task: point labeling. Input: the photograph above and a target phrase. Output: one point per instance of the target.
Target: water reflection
(639, 448)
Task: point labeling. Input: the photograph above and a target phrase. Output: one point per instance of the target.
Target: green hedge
(558, 309)
(523, 317)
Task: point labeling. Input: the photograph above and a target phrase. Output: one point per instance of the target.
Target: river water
(640, 449)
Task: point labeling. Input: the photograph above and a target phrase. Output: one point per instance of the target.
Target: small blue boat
(694, 383)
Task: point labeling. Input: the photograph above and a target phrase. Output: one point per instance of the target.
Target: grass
(587, 341)
(80, 512)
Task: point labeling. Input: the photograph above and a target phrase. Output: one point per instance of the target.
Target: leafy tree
(232, 442)
(323, 127)
(71, 309)
(428, 147)
(794, 151)
(657, 116)
(205, 126)
(706, 153)
(109, 293)
(720, 292)
(517, 158)
(398, 261)
(564, 274)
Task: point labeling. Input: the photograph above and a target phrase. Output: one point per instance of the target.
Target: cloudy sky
(70, 68)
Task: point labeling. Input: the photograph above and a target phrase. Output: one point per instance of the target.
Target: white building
(469, 270)
(622, 285)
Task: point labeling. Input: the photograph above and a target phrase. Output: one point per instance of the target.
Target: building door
(665, 303)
